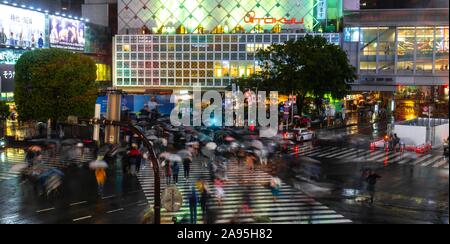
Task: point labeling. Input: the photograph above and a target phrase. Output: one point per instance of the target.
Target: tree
(54, 84)
(307, 66)
(4, 110)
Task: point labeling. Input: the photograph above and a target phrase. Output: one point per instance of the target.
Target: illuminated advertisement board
(66, 33)
(7, 73)
(21, 27)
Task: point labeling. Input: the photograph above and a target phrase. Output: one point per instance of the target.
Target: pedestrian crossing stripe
(440, 163)
(427, 160)
(431, 161)
(47, 162)
(292, 206)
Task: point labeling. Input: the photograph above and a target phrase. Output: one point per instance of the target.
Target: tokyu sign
(251, 18)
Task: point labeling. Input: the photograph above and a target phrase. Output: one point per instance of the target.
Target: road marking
(432, 160)
(108, 197)
(440, 163)
(421, 159)
(116, 210)
(85, 217)
(45, 210)
(11, 217)
(77, 203)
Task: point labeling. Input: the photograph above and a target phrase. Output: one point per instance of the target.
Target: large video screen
(21, 27)
(66, 33)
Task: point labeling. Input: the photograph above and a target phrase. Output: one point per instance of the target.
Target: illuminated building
(177, 44)
(397, 48)
(27, 27)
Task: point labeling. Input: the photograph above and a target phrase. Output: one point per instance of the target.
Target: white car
(303, 134)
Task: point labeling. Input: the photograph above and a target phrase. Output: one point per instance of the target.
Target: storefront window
(425, 40)
(405, 49)
(442, 49)
(369, 42)
(386, 50)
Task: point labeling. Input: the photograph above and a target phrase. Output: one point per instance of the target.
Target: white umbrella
(152, 138)
(98, 164)
(171, 157)
(211, 146)
(19, 167)
(185, 154)
(257, 144)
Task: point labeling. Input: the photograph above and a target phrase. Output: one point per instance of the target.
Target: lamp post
(152, 156)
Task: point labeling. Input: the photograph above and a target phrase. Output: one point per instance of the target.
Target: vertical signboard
(321, 9)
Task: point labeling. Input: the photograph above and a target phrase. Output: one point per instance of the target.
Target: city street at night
(196, 114)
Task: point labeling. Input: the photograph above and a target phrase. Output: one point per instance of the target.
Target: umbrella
(70, 141)
(257, 144)
(222, 149)
(152, 138)
(229, 138)
(51, 172)
(171, 157)
(185, 154)
(204, 138)
(211, 146)
(98, 164)
(19, 167)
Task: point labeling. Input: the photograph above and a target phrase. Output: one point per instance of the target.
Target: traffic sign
(172, 199)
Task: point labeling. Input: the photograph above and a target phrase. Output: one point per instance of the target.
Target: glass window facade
(399, 50)
(208, 60)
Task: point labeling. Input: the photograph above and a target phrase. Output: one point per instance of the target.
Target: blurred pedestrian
(167, 170)
(250, 159)
(220, 192)
(175, 171)
(135, 159)
(371, 182)
(275, 186)
(100, 176)
(193, 205)
(204, 201)
(187, 167)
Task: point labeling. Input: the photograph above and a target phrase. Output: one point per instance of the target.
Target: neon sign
(250, 18)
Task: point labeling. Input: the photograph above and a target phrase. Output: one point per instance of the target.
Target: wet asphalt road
(406, 193)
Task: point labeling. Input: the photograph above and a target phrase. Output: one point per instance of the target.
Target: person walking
(167, 170)
(204, 199)
(220, 192)
(193, 200)
(175, 171)
(187, 167)
(371, 182)
(275, 185)
(100, 176)
(135, 159)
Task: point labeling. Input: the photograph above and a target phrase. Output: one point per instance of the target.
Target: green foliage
(53, 83)
(4, 110)
(309, 65)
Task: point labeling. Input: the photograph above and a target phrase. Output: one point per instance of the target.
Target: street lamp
(152, 156)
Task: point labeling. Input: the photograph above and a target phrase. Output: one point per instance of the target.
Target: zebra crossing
(379, 156)
(292, 206)
(12, 157)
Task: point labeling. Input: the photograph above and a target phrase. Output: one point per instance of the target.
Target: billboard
(21, 27)
(7, 74)
(66, 33)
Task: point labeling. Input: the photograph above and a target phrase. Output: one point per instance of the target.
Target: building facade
(177, 44)
(403, 53)
(25, 27)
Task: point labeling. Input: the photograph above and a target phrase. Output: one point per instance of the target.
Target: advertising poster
(21, 27)
(7, 73)
(66, 33)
